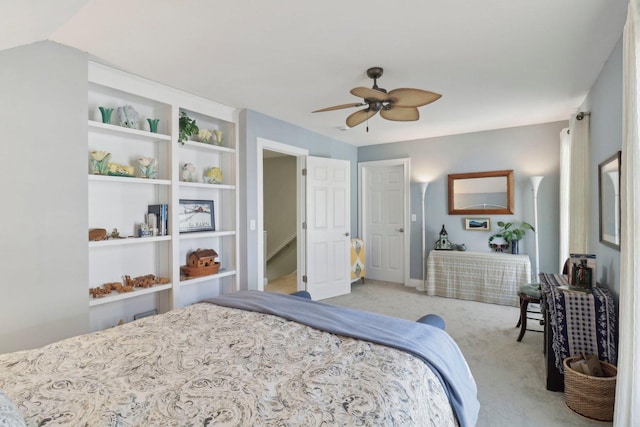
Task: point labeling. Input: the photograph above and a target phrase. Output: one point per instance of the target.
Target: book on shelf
(162, 215)
(582, 271)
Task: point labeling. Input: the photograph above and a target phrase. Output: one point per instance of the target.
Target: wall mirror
(481, 193)
(609, 196)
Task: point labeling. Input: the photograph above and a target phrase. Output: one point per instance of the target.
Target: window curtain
(627, 409)
(579, 188)
(565, 166)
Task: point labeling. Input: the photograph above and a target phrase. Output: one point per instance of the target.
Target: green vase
(153, 125)
(106, 114)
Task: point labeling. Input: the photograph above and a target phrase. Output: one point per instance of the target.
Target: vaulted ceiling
(497, 63)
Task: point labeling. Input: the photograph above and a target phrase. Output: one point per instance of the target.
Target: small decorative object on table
(582, 270)
(204, 135)
(148, 167)
(512, 234)
(153, 125)
(498, 243)
(219, 139)
(100, 162)
(106, 114)
(212, 176)
(188, 173)
(128, 116)
(443, 243)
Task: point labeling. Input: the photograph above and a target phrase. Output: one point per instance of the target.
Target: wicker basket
(589, 396)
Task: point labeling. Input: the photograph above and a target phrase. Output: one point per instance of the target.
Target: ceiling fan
(399, 105)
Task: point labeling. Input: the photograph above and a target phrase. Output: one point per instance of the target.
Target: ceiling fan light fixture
(397, 105)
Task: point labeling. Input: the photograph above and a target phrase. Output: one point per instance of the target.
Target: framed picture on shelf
(477, 224)
(196, 215)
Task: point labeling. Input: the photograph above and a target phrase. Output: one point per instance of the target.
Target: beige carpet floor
(283, 285)
(509, 374)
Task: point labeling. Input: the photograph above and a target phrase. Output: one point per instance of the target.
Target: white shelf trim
(204, 234)
(210, 147)
(207, 278)
(128, 241)
(129, 131)
(126, 295)
(129, 180)
(207, 186)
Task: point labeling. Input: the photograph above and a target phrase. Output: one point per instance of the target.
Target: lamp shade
(423, 188)
(535, 183)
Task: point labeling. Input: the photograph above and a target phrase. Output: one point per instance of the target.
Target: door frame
(301, 159)
(406, 166)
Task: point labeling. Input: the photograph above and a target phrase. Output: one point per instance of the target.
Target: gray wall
(252, 126)
(528, 150)
(605, 104)
(43, 182)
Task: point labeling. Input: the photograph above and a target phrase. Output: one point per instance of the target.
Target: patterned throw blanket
(580, 322)
(211, 365)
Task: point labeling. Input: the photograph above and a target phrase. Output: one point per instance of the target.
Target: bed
(245, 359)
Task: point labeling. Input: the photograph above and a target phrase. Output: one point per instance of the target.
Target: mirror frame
(618, 159)
(508, 174)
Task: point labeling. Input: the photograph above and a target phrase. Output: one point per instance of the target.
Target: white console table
(478, 276)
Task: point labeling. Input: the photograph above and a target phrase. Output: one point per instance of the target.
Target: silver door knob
(346, 234)
(401, 230)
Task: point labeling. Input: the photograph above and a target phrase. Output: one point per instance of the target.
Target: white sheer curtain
(565, 170)
(579, 188)
(627, 410)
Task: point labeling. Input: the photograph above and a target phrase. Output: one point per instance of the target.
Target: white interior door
(328, 226)
(384, 219)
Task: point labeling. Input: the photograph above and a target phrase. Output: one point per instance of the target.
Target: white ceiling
(497, 63)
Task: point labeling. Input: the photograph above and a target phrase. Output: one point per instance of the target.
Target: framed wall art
(477, 224)
(196, 215)
(609, 200)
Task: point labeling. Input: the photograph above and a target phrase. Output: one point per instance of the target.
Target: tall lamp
(535, 183)
(423, 191)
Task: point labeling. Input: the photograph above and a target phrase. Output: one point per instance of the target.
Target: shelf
(207, 278)
(204, 234)
(207, 147)
(126, 295)
(207, 186)
(128, 131)
(128, 241)
(128, 180)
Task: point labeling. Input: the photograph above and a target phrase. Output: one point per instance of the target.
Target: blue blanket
(432, 345)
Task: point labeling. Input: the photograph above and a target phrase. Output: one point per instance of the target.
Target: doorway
(281, 241)
(279, 215)
(384, 207)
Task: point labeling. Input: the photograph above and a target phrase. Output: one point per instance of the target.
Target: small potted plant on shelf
(187, 127)
(509, 233)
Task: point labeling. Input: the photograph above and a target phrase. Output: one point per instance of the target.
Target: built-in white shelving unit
(121, 202)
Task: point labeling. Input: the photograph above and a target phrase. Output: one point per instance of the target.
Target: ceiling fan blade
(359, 116)
(340, 107)
(406, 97)
(368, 93)
(400, 114)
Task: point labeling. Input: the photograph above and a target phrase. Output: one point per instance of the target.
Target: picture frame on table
(196, 216)
(477, 224)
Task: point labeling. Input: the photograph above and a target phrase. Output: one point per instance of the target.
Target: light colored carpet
(509, 374)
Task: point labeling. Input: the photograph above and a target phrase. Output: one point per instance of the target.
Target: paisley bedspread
(212, 365)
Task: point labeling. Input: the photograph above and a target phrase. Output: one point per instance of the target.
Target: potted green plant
(187, 127)
(512, 233)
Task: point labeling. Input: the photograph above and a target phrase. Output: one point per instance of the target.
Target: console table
(478, 276)
(575, 322)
